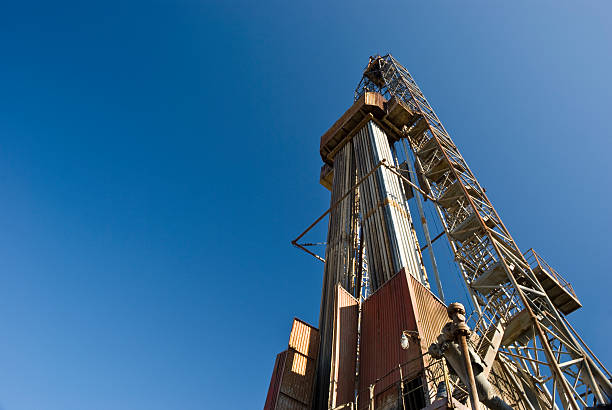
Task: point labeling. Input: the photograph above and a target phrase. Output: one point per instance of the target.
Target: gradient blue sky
(156, 159)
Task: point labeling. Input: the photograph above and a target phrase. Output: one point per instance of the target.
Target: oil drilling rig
(385, 339)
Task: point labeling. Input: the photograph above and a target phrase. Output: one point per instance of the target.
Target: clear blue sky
(156, 159)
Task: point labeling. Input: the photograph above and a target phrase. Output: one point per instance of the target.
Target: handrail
(433, 373)
(535, 260)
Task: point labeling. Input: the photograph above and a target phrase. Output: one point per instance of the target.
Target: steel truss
(516, 320)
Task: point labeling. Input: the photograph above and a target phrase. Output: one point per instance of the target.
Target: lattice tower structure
(517, 322)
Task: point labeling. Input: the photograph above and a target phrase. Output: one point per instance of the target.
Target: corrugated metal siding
(275, 381)
(344, 350)
(294, 370)
(386, 220)
(287, 403)
(338, 262)
(431, 313)
(304, 338)
(431, 316)
(385, 314)
(298, 377)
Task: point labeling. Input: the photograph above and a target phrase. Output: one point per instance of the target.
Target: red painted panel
(385, 314)
(285, 402)
(344, 348)
(298, 377)
(430, 314)
(275, 381)
(294, 370)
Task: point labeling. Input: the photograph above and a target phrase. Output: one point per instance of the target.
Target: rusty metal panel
(298, 377)
(326, 177)
(287, 403)
(385, 314)
(304, 338)
(376, 99)
(344, 348)
(344, 127)
(431, 316)
(292, 380)
(275, 381)
(430, 313)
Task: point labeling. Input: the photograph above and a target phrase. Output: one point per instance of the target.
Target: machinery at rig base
(385, 339)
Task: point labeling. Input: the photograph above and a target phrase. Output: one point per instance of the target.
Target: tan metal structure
(523, 302)
(524, 350)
